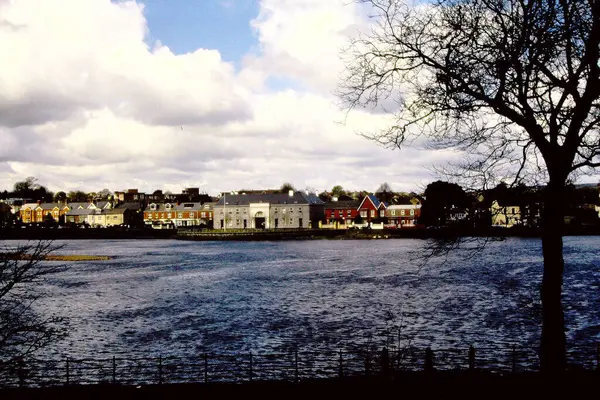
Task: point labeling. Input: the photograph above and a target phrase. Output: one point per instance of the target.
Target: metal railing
(291, 366)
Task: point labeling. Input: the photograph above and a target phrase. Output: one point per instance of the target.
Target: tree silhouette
(22, 330)
(385, 193)
(60, 197)
(441, 198)
(513, 84)
(286, 187)
(337, 191)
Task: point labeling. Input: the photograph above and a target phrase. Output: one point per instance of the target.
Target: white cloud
(86, 104)
(303, 39)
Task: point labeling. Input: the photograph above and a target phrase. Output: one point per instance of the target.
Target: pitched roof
(102, 204)
(80, 211)
(271, 198)
(50, 206)
(344, 204)
(371, 197)
(81, 204)
(130, 206)
(160, 207)
(112, 211)
(404, 207)
(188, 206)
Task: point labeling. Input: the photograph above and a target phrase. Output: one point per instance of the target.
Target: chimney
(291, 193)
(39, 202)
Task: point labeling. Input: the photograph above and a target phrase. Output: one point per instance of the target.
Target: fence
(291, 366)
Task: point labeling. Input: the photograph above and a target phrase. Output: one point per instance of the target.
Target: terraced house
(268, 211)
(170, 215)
(403, 215)
(40, 212)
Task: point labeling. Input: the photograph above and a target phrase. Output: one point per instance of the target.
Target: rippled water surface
(179, 298)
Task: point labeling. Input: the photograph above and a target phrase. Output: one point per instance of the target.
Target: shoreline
(278, 235)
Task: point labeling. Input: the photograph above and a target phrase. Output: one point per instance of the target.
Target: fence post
(471, 357)
(296, 364)
(250, 366)
(385, 361)
(428, 359)
(20, 372)
(114, 370)
(514, 359)
(68, 372)
(205, 368)
(341, 368)
(160, 371)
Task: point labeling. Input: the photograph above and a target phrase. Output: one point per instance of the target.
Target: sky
(222, 95)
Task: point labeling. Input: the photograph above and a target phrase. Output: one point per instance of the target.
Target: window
(203, 214)
(382, 213)
(412, 212)
(168, 215)
(349, 212)
(363, 214)
(393, 212)
(372, 213)
(180, 215)
(401, 212)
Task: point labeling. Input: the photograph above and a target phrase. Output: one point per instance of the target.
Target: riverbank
(39, 233)
(373, 234)
(55, 257)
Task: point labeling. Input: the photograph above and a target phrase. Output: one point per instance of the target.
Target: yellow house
(505, 216)
(116, 216)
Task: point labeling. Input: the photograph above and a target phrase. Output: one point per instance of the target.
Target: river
(179, 298)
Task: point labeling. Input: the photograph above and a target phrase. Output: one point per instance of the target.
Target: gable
(368, 204)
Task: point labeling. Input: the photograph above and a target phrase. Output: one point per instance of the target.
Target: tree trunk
(553, 341)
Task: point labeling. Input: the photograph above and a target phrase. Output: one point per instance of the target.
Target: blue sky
(186, 25)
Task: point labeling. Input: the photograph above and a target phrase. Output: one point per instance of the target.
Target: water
(179, 298)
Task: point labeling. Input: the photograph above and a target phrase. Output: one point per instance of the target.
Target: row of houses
(99, 214)
(295, 209)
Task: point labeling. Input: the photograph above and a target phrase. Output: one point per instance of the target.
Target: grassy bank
(56, 257)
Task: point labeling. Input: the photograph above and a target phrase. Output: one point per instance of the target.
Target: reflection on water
(178, 298)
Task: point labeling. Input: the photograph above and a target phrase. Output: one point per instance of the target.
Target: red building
(371, 208)
(343, 213)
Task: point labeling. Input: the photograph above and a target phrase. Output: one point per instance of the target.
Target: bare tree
(514, 84)
(22, 329)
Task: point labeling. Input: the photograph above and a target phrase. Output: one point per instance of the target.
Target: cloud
(74, 54)
(86, 103)
(303, 39)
